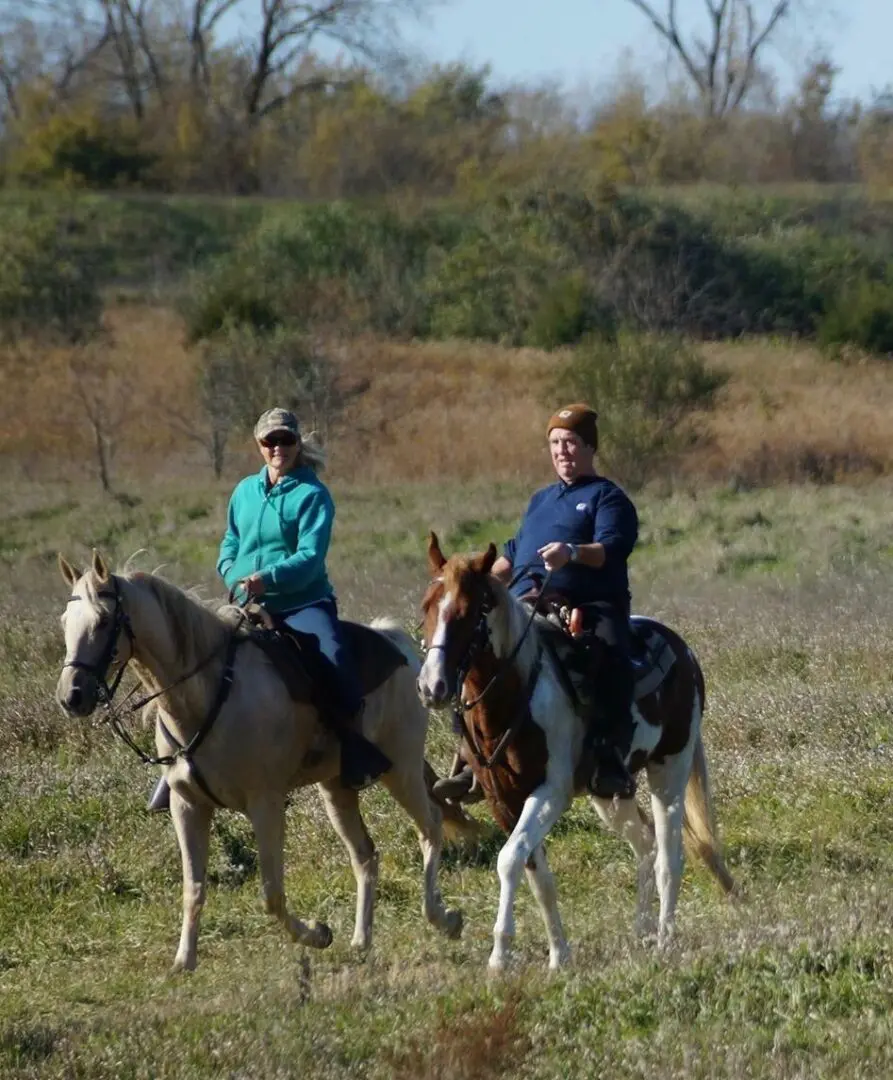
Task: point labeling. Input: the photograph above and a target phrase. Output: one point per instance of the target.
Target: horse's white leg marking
(541, 810)
(343, 809)
(626, 819)
(267, 815)
(193, 828)
(542, 885)
(668, 782)
(407, 785)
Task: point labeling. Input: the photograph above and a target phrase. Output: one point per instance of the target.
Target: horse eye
(103, 621)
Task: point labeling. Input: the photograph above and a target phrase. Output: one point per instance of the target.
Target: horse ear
(69, 574)
(484, 563)
(100, 567)
(436, 561)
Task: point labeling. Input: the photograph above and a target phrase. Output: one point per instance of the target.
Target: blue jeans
(321, 620)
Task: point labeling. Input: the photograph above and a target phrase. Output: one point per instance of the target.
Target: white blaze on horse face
(433, 682)
(84, 623)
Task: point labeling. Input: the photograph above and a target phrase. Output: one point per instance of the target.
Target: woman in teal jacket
(278, 529)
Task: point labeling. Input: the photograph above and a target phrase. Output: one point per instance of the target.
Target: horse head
(94, 623)
(454, 614)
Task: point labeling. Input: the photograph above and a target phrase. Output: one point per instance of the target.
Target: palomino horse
(219, 690)
(526, 743)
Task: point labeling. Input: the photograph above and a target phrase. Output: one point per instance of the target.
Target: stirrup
(160, 799)
(611, 778)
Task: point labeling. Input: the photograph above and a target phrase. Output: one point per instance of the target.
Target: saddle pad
(652, 657)
(376, 656)
(657, 662)
(297, 659)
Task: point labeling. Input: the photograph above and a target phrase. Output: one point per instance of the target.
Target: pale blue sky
(583, 41)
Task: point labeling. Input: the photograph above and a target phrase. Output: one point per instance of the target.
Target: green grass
(795, 979)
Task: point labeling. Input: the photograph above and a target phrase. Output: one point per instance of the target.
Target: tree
(724, 66)
(241, 371)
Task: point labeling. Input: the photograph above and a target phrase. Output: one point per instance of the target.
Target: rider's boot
(160, 799)
(611, 776)
(461, 787)
(362, 763)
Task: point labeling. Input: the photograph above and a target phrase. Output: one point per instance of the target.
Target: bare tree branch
(290, 28)
(728, 64)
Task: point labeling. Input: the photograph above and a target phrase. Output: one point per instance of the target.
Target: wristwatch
(574, 552)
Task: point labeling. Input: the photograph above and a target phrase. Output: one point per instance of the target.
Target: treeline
(112, 94)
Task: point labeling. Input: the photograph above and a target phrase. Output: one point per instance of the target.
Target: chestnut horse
(232, 736)
(527, 744)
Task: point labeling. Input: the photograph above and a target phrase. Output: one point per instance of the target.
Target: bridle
(99, 670)
(479, 640)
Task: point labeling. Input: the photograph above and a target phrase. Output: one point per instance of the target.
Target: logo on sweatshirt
(581, 507)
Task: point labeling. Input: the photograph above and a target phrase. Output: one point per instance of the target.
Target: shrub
(861, 315)
(49, 278)
(232, 292)
(644, 387)
(568, 311)
(77, 148)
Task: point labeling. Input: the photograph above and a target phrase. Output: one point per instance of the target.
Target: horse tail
(700, 822)
(395, 633)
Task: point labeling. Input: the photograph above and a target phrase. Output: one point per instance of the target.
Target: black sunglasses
(278, 440)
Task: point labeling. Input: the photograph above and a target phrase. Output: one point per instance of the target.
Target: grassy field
(786, 594)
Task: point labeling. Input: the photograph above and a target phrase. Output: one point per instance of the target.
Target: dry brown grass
(788, 414)
(419, 411)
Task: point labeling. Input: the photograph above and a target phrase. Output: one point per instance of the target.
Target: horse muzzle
(77, 692)
(433, 689)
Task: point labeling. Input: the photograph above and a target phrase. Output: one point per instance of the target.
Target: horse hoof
(182, 967)
(453, 925)
(320, 935)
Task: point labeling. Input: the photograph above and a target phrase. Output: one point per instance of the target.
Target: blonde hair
(313, 453)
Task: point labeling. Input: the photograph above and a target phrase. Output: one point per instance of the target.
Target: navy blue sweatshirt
(589, 510)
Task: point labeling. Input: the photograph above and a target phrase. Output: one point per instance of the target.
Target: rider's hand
(254, 585)
(555, 555)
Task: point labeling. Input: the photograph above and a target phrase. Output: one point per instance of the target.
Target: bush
(644, 387)
(862, 315)
(568, 311)
(77, 148)
(49, 278)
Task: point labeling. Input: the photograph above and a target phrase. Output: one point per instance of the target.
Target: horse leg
(540, 812)
(626, 818)
(343, 808)
(542, 885)
(410, 790)
(667, 782)
(193, 828)
(267, 816)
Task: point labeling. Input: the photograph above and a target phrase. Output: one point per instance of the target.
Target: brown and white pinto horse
(483, 647)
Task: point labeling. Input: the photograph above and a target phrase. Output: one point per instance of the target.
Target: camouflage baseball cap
(276, 420)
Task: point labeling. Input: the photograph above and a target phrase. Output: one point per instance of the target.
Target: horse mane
(195, 628)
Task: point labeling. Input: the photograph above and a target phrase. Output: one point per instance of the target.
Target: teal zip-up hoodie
(282, 532)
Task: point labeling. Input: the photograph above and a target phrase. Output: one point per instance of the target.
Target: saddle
(651, 654)
(304, 670)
